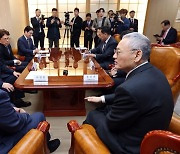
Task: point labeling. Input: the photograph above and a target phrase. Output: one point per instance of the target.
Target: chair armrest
(177, 77)
(85, 140)
(159, 141)
(34, 141)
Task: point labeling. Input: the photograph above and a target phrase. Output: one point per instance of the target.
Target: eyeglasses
(6, 38)
(118, 51)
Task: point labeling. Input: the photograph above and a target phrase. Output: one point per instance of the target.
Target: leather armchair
(34, 142)
(15, 52)
(85, 140)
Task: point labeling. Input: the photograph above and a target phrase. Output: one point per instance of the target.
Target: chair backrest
(117, 37)
(178, 36)
(167, 59)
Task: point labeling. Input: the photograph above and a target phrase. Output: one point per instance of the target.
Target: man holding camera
(38, 25)
(53, 23)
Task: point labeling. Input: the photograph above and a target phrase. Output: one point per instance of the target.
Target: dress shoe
(53, 145)
(20, 103)
(31, 91)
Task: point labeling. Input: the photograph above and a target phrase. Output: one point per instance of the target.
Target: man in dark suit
(105, 50)
(86, 26)
(15, 123)
(76, 26)
(133, 22)
(168, 34)
(7, 79)
(142, 103)
(25, 45)
(6, 54)
(53, 23)
(38, 25)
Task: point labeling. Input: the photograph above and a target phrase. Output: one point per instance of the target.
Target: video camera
(43, 17)
(66, 23)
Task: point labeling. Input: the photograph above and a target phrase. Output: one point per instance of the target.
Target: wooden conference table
(65, 90)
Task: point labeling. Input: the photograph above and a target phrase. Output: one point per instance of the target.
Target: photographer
(53, 23)
(123, 22)
(38, 25)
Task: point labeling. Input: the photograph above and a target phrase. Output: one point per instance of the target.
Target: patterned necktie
(8, 49)
(103, 47)
(28, 43)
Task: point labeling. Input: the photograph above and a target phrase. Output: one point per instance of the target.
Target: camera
(66, 23)
(43, 17)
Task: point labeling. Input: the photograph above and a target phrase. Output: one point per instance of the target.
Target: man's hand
(113, 72)
(52, 21)
(93, 29)
(36, 51)
(93, 99)
(9, 87)
(131, 29)
(70, 23)
(16, 74)
(91, 55)
(20, 110)
(18, 62)
(159, 38)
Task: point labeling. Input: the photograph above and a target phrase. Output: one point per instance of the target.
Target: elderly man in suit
(38, 25)
(168, 34)
(142, 103)
(25, 44)
(105, 50)
(6, 54)
(15, 123)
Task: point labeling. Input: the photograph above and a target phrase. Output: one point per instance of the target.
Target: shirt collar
(135, 68)
(108, 39)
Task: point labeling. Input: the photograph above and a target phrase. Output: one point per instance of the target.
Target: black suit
(87, 33)
(76, 31)
(53, 33)
(38, 32)
(134, 24)
(7, 58)
(142, 103)
(104, 56)
(14, 125)
(171, 36)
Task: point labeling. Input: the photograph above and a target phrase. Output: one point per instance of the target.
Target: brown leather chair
(117, 37)
(167, 59)
(34, 142)
(15, 52)
(85, 140)
(178, 36)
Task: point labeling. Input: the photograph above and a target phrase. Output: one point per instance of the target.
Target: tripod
(67, 29)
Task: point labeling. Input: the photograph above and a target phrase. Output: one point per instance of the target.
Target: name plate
(90, 78)
(40, 78)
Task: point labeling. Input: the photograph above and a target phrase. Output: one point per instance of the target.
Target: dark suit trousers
(55, 41)
(39, 38)
(88, 41)
(74, 40)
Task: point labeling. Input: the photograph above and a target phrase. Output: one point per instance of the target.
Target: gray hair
(137, 41)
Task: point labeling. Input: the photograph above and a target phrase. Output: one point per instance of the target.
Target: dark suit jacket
(53, 29)
(4, 72)
(6, 57)
(11, 123)
(36, 25)
(105, 57)
(77, 26)
(142, 103)
(171, 36)
(87, 32)
(24, 49)
(134, 25)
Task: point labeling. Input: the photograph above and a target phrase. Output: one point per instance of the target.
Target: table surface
(59, 61)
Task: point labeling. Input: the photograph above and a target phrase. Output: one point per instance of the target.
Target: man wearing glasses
(140, 104)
